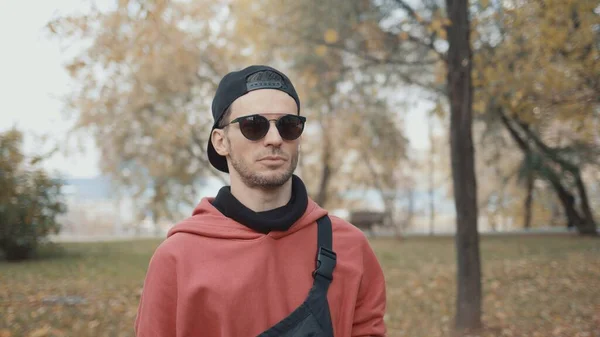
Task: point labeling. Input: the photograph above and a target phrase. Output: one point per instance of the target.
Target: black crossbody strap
(326, 257)
(312, 317)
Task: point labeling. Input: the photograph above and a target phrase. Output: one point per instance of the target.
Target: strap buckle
(326, 260)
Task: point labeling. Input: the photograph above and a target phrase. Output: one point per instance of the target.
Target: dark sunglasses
(255, 127)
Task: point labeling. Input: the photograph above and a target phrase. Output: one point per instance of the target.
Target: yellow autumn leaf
(442, 34)
(321, 50)
(439, 111)
(436, 25)
(331, 36)
(40, 332)
(519, 95)
(479, 106)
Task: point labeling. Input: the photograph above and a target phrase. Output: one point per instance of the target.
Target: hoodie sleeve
(157, 309)
(371, 301)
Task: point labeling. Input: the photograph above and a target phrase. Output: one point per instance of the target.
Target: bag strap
(313, 314)
(326, 257)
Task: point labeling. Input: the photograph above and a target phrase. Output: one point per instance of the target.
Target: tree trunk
(431, 176)
(160, 193)
(460, 90)
(156, 221)
(325, 172)
(410, 211)
(529, 200)
(390, 211)
(118, 225)
(566, 198)
(431, 212)
(588, 227)
(556, 214)
(389, 198)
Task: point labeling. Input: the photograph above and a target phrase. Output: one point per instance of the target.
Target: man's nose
(273, 137)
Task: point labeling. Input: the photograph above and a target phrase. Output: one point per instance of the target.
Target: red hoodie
(215, 277)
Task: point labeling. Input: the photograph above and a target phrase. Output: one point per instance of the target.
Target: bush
(30, 201)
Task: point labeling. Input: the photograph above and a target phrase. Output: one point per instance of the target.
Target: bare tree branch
(411, 12)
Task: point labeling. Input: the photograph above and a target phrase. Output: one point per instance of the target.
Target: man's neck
(260, 200)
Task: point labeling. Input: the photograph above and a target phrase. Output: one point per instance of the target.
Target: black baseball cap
(233, 86)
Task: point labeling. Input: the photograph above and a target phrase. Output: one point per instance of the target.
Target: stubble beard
(255, 179)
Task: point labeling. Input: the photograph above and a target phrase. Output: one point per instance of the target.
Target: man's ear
(219, 141)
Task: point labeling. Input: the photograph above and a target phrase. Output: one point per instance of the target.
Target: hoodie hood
(207, 221)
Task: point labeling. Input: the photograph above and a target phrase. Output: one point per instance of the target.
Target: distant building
(94, 208)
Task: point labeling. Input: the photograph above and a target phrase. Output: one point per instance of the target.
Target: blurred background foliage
(145, 79)
(30, 200)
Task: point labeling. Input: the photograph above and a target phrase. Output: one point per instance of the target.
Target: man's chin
(275, 177)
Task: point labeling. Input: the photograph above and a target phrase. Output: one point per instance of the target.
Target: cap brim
(216, 160)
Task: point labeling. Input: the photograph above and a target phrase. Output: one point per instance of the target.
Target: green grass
(532, 286)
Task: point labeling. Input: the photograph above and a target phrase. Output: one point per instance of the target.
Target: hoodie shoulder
(347, 230)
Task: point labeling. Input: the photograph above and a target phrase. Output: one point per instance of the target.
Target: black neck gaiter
(278, 219)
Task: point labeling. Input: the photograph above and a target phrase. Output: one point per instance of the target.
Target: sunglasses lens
(254, 127)
(290, 127)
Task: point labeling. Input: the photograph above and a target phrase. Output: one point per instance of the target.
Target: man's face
(265, 163)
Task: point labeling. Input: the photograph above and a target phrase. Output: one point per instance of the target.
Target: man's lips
(272, 158)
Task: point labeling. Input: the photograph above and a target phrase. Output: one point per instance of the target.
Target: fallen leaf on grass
(40, 332)
(520, 299)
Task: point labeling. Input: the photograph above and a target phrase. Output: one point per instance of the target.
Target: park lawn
(532, 285)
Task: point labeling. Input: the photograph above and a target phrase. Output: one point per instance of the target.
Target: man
(261, 258)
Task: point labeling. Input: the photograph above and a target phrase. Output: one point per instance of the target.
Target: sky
(33, 80)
